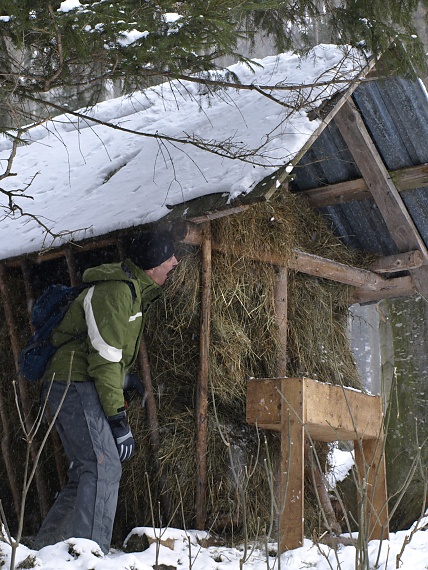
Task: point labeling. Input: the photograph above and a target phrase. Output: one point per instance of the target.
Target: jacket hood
(105, 272)
(126, 271)
(118, 271)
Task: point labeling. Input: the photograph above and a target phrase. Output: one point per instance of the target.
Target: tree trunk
(408, 405)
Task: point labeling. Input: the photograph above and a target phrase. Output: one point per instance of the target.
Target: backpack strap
(129, 274)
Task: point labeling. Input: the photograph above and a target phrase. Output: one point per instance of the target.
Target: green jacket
(105, 323)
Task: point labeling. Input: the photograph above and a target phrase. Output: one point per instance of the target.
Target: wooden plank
(334, 413)
(410, 178)
(263, 405)
(351, 190)
(333, 194)
(331, 413)
(291, 522)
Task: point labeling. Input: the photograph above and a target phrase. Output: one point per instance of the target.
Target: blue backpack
(47, 313)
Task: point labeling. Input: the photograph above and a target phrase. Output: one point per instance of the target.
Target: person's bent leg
(98, 487)
(87, 506)
(58, 522)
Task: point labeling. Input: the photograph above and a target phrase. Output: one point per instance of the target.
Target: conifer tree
(52, 45)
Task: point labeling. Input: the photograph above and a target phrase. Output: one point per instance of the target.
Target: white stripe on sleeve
(105, 350)
(133, 318)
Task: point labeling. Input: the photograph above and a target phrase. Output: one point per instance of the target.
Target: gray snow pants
(86, 507)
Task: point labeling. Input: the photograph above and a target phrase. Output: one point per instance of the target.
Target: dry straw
(244, 343)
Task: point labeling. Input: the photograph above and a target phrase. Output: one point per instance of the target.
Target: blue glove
(123, 436)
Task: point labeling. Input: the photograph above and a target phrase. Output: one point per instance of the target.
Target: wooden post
(292, 467)
(71, 266)
(121, 248)
(202, 390)
(152, 418)
(23, 391)
(7, 456)
(370, 462)
(56, 443)
(281, 316)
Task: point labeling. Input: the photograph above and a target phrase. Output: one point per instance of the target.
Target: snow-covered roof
(88, 179)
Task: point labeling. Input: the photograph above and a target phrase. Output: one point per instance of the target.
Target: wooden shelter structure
(366, 172)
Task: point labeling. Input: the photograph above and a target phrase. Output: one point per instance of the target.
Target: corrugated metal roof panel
(360, 225)
(328, 161)
(395, 112)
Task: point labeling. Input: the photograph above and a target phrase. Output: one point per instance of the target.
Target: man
(98, 342)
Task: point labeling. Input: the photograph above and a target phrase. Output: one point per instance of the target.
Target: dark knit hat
(150, 249)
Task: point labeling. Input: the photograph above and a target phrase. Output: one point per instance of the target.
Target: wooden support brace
(383, 189)
(301, 407)
(281, 317)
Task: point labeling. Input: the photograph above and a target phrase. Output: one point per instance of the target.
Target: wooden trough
(301, 407)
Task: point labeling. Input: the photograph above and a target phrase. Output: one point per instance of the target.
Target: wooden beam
(153, 424)
(410, 178)
(368, 286)
(292, 513)
(219, 214)
(333, 194)
(351, 190)
(379, 182)
(71, 266)
(400, 262)
(398, 220)
(300, 261)
(202, 388)
(372, 487)
(393, 289)
(334, 270)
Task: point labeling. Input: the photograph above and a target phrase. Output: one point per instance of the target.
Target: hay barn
(266, 277)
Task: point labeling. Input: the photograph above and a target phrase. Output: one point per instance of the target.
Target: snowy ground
(197, 550)
(188, 550)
